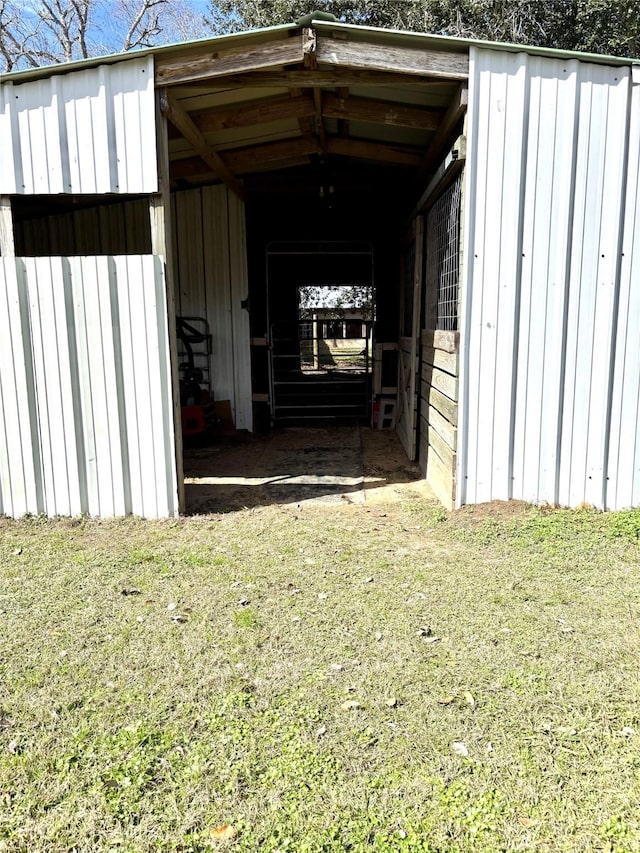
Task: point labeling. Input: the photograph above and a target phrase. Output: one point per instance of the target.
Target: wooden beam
(182, 122)
(343, 124)
(308, 78)
(210, 64)
(400, 154)
(322, 134)
(455, 112)
(256, 157)
(415, 334)
(258, 111)
(306, 122)
(309, 48)
(161, 244)
(387, 57)
(380, 112)
(7, 245)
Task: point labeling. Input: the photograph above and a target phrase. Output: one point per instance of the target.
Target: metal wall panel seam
(623, 485)
(171, 498)
(143, 402)
(624, 176)
(517, 297)
(131, 395)
(119, 367)
(240, 315)
(566, 279)
(467, 280)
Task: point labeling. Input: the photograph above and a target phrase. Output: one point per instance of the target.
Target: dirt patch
(469, 516)
(330, 464)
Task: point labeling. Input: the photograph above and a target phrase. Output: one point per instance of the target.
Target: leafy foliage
(47, 31)
(587, 25)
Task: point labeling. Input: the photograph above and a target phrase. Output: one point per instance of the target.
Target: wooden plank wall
(406, 414)
(439, 412)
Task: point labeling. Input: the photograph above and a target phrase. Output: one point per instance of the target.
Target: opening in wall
(67, 225)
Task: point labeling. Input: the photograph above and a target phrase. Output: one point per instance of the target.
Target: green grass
(309, 676)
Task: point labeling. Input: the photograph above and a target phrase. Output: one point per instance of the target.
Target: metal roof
(270, 99)
(352, 32)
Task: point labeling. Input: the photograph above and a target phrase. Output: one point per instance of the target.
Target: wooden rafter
(380, 112)
(182, 122)
(258, 111)
(273, 155)
(307, 78)
(253, 157)
(370, 56)
(400, 154)
(256, 157)
(211, 64)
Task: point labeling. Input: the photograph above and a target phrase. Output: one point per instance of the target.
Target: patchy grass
(346, 678)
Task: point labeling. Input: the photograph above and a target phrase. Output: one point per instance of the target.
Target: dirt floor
(322, 464)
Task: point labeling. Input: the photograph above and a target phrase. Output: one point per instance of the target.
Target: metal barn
(488, 195)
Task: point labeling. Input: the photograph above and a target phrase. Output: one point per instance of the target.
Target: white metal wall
(87, 131)
(211, 275)
(550, 367)
(86, 422)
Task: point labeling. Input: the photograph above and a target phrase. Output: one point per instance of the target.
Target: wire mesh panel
(443, 254)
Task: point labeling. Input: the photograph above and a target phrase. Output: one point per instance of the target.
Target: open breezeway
(295, 466)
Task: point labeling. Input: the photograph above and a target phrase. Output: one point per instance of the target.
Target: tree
(599, 26)
(47, 31)
(39, 32)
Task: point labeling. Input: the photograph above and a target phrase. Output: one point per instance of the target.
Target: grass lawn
(332, 678)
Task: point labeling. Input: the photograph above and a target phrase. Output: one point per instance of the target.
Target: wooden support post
(7, 245)
(415, 337)
(161, 244)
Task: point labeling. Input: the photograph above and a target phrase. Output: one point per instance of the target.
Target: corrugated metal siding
(89, 131)
(86, 417)
(551, 144)
(623, 488)
(210, 252)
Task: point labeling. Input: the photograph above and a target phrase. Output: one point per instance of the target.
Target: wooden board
(447, 408)
(387, 57)
(442, 480)
(443, 382)
(447, 341)
(206, 64)
(446, 430)
(439, 446)
(445, 361)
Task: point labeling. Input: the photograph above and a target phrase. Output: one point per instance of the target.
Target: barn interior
(299, 156)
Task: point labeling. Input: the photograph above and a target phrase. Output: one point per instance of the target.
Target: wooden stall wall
(439, 412)
(439, 339)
